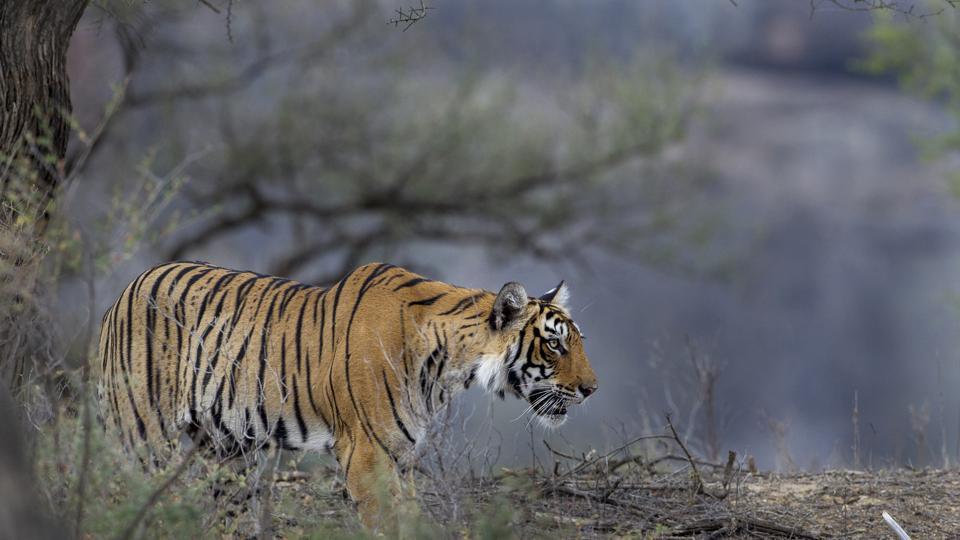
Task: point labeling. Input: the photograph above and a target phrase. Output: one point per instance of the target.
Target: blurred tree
(925, 57)
(324, 133)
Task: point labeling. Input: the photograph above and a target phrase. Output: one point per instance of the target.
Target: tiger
(243, 362)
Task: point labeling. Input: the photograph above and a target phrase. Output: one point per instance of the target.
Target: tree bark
(34, 100)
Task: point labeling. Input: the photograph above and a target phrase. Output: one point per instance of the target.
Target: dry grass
(646, 488)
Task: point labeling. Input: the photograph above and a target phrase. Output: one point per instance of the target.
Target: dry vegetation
(647, 488)
(661, 504)
(648, 497)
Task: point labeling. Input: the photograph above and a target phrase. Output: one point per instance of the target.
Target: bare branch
(697, 479)
(906, 8)
(411, 16)
(212, 7)
(255, 69)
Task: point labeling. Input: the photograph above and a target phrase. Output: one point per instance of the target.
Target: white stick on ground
(896, 527)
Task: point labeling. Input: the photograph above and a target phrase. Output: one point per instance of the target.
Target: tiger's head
(540, 356)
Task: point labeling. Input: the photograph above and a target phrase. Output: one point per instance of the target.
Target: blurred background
(752, 202)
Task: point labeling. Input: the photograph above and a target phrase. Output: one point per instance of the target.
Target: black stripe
(151, 309)
(178, 319)
(264, 345)
(190, 283)
(298, 341)
(391, 279)
(211, 362)
(393, 407)
(425, 369)
(196, 326)
(240, 301)
(233, 367)
(516, 356)
(141, 428)
(439, 358)
(411, 283)
(383, 280)
(405, 357)
(176, 279)
(242, 355)
(462, 305)
(298, 413)
(323, 314)
(365, 417)
(427, 301)
(284, 391)
(280, 434)
(337, 417)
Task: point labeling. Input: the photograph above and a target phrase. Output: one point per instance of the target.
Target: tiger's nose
(587, 390)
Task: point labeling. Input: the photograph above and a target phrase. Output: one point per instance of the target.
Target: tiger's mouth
(549, 406)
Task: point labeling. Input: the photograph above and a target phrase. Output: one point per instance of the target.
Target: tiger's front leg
(373, 482)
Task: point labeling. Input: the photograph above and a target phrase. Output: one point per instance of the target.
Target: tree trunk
(34, 128)
(34, 103)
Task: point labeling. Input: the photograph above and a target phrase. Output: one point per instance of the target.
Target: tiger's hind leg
(374, 485)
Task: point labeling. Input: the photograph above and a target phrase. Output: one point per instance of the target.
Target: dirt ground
(848, 504)
(834, 504)
(634, 502)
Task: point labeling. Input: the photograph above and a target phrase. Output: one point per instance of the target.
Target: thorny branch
(411, 16)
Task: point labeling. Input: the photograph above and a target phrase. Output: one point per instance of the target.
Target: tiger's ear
(559, 295)
(508, 307)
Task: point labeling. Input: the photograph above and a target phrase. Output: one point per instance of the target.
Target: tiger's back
(190, 345)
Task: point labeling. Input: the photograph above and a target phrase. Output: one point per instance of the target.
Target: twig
(613, 466)
(561, 454)
(155, 496)
(573, 492)
(587, 463)
(693, 463)
(212, 7)
(733, 524)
